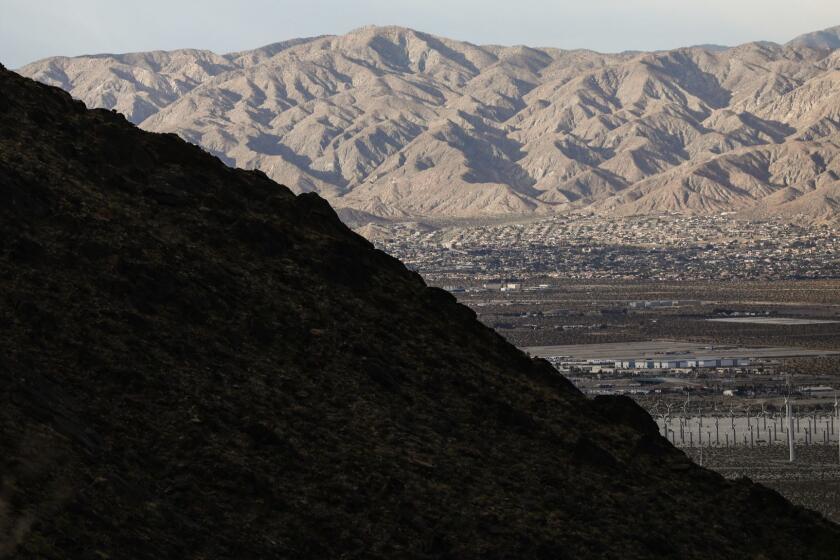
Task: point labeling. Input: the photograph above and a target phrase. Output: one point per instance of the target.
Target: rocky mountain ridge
(398, 124)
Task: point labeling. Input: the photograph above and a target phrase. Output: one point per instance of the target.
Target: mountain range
(197, 363)
(392, 123)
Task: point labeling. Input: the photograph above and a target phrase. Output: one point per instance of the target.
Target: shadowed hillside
(196, 363)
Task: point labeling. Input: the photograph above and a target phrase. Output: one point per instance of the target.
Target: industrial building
(681, 363)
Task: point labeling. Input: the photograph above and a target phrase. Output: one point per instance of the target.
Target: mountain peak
(381, 29)
(828, 38)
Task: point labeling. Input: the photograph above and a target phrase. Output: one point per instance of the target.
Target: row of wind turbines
(765, 428)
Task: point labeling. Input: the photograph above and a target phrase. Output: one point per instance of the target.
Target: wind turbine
(790, 428)
(837, 413)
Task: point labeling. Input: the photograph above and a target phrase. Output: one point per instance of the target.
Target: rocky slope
(195, 362)
(825, 39)
(401, 124)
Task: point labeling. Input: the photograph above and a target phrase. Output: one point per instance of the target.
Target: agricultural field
(671, 348)
(773, 321)
(789, 313)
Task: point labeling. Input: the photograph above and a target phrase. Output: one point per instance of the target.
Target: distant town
(641, 248)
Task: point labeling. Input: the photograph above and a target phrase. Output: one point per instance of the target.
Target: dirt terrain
(580, 312)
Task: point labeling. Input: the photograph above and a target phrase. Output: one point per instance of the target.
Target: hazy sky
(33, 29)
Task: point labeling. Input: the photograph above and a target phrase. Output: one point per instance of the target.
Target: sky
(34, 29)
